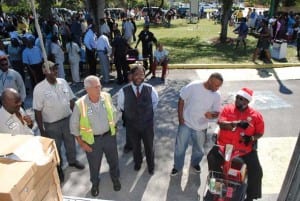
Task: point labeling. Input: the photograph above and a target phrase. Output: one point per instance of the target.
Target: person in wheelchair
(241, 126)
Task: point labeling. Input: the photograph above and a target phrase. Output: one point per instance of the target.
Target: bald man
(13, 118)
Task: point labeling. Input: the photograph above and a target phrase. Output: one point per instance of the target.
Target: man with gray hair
(93, 123)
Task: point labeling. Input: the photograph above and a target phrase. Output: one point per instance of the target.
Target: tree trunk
(226, 8)
(45, 8)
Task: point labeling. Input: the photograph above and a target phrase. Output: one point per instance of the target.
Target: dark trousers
(255, 173)
(122, 68)
(60, 132)
(91, 60)
(145, 134)
(147, 55)
(19, 66)
(36, 74)
(106, 144)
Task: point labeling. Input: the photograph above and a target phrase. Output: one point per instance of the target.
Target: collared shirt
(102, 44)
(97, 116)
(53, 100)
(90, 39)
(197, 101)
(32, 55)
(154, 95)
(11, 124)
(231, 113)
(12, 79)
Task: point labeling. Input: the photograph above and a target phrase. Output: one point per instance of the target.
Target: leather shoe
(77, 165)
(95, 190)
(151, 171)
(117, 185)
(137, 167)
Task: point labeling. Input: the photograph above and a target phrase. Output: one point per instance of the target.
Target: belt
(57, 121)
(102, 135)
(101, 50)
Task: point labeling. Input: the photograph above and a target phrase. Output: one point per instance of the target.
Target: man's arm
(180, 110)
(39, 121)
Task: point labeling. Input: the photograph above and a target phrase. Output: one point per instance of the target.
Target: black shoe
(197, 168)
(77, 165)
(137, 167)
(95, 190)
(61, 174)
(174, 172)
(153, 77)
(151, 171)
(249, 199)
(117, 185)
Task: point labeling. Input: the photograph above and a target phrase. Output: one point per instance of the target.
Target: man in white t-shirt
(198, 103)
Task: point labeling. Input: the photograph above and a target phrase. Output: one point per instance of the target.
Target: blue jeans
(182, 140)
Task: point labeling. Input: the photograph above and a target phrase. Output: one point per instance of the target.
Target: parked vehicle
(182, 12)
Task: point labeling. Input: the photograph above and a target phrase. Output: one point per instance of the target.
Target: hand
(211, 115)
(243, 124)
(181, 120)
(246, 139)
(85, 147)
(28, 120)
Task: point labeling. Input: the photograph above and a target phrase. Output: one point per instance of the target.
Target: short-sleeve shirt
(197, 101)
(160, 54)
(10, 123)
(12, 79)
(32, 55)
(53, 100)
(97, 116)
(231, 113)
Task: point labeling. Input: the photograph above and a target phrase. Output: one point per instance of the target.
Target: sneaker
(174, 172)
(197, 168)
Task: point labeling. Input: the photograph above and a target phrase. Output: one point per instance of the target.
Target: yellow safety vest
(85, 129)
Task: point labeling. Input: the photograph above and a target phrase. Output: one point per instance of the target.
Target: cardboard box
(26, 178)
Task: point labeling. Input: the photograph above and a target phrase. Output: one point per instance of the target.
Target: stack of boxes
(23, 179)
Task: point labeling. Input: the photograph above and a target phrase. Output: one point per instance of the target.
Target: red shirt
(231, 113)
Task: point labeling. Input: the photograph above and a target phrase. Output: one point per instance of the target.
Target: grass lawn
(196, 44)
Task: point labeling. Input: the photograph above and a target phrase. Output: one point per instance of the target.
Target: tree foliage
(21, 7)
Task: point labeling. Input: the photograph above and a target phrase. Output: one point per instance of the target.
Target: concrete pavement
(278, 99)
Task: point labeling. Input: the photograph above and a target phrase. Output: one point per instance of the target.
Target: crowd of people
(91, 119)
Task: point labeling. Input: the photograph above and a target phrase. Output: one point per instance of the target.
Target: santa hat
(246, 93)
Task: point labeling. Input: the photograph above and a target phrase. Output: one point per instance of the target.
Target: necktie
(138, 93)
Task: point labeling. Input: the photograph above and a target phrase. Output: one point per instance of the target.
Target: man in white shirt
(13, 118)
(104, 50)
(53, 101)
